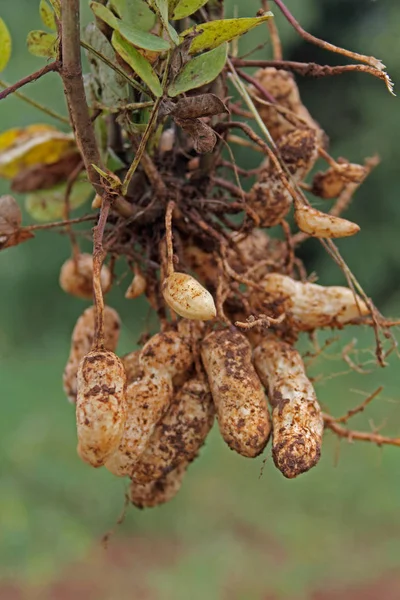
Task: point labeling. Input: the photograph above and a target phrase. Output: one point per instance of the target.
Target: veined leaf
(47, 15)
(173, 34)
(41, 43)
(142, 39)
(134, 12)
(103, 13)
(5, 45)
(199, 71)
(111, 87)
(56, 4)
(212, 34)
(185, 8)
(49, 205)
(137, 37)
(137, 62)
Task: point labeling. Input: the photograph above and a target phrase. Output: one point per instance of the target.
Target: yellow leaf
(35, 144)
(43, 44)
(47, 15)
(5, 45)
(214, 33)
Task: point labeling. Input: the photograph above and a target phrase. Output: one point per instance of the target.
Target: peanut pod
(309, 306)
(154, 493)
(164, 356)
(100, 406)
(297, 422)
(241, 407)
(322, 225)
(76, 276)
(180, 434)
(82, 340)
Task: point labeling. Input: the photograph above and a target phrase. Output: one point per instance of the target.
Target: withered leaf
(16, 238)
(43, 177)
(204, 138)
(10, 215)
(203, 105)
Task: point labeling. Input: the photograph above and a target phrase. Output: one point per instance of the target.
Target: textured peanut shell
(299, 151)
(309, 305)
(322, 225)
(269, 199)
(76, 277)
(188, 298)
(82, 341)
(330, 183)
(149, 495)
(241, 406)
(164, 356)
(180, 434)
(282, 86)
(296, 415)
(100, 406)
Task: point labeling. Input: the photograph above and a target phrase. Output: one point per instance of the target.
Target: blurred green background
(231, 533)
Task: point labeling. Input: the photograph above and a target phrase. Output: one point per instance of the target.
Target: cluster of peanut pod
(147, 414)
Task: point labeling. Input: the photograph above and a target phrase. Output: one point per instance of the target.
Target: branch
(314, 69)
(361, 436)
(53, 66)
(71, 74)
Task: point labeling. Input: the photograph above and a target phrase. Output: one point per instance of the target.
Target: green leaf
(5, 45)
(112, 179)
(104, 14)
(161, 9)
(47, 15)
(41, 43)
(142, 39)
(56, 4)
(111, 87)
(49, 205)
(199, 71)
(134, 12)
(185, 8)
(137, 62)
(137, 37)
(173, 34)
(212, 34)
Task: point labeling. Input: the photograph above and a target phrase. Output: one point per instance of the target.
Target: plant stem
(141, 148)
(53, 66)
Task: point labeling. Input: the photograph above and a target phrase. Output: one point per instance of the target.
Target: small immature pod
(100, 406)
(296, 415)
(330, 183)
(269, 199)
(76, 276)
(322, 225)
(237, 392)
(283, 88)
(163, 357)
(299, 151)
(309, 305)
(180, 434)
(82, 341)
(188, 298)
(148, 495)
(137, 287)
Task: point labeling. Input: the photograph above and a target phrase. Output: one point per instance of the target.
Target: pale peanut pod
(82, 341)
(131, 362)
(154, 493)
(309, 305)
(163, 357)
(180, 434)
(297, 424)
(188, 298)
(282, 86)
(241, 406)
(76, 276)
(330, 183)
(322, 225)
(100, 406)
(137, 287)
